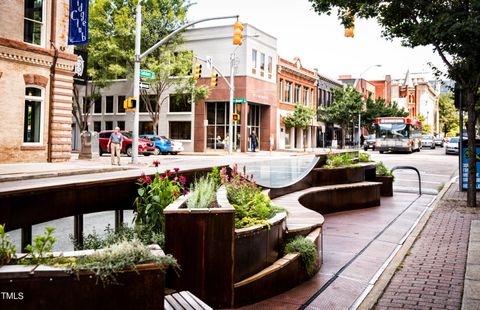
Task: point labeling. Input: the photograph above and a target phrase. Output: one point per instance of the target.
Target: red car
(145, 146)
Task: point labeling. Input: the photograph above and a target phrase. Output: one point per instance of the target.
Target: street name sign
(147, 74)
(239, 100)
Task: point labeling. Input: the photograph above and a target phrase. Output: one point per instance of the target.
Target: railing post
(78, 229)
(26, 237)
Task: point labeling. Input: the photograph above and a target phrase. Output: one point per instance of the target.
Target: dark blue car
(162, 144)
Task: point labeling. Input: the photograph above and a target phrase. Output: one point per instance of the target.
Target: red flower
(168, 174)
(185, 191)
(183, 180)
(156, 163)
(176, 170)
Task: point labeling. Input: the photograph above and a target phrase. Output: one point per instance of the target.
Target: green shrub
(95, 241)
(307, 250)
(202, 194)
(339, 160)
(39, 251)
(7, 248)
(252, 207)
(364, 158)
(106, 264)
(381, 169)
(154, 195)
(215, 176)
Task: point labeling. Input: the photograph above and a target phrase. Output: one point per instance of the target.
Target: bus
(402, 134)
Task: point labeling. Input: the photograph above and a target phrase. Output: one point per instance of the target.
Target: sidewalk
(432, 275)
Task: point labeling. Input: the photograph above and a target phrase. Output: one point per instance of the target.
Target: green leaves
(346, 106)
(301, 118)
(307, 250)
(42, 245)
(7, 248)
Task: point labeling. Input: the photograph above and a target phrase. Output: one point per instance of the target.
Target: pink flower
(147, 180)
(156, 163)
(162, 177)
(183, 180)
(185, 191)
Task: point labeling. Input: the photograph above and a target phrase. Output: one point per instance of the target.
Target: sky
(318, 40)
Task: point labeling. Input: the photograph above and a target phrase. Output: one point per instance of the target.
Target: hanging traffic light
(130, 104)
(237, 33)
(197, 71)
(350, 31)
(214, 81)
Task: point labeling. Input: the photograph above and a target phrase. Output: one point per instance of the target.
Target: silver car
(428, 141)
(452, 146)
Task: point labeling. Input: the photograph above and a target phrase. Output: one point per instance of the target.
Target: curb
(372, 294)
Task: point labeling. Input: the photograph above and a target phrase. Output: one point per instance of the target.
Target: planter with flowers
(384, 175)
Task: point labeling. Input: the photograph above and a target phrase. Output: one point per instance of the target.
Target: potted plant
(384, 175)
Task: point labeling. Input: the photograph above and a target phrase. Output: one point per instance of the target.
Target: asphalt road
(436, 169)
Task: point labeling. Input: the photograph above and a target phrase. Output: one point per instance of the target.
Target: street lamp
(360, 113)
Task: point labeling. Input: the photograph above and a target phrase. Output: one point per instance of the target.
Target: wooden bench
(184, 300)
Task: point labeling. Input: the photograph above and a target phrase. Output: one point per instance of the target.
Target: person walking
(226, 144)
(253, 141)
(115, 146)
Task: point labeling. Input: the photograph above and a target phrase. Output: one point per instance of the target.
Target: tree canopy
(449, 118)
(379, 108)
(300, 118)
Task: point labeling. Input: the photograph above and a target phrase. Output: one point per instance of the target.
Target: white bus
(398, 134)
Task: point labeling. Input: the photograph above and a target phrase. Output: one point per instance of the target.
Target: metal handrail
(414, 169)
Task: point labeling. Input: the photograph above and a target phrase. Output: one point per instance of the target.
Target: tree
(378, 108)
(451, 27)
(346, 106)
(301, 118)
(449, 118)
(112, 46)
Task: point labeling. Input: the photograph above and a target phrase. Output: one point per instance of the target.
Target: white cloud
(318, 39)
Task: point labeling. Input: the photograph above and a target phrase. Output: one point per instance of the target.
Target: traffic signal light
(349, 32)
(130, 103)
(235, 117)
(214, 81)
(197, 71)
(237, 33)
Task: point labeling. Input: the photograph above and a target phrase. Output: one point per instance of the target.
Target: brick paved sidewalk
(432, 275)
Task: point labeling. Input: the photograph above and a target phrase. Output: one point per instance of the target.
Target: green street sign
(147, 74)
(239, 100)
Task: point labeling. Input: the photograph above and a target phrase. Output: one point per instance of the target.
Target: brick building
(36, 78)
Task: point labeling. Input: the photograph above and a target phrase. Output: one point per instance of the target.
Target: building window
(305, 96)
(254, 61)
(297, 94)
(280, 90)
(143, 105)
(33, 22)
(109, 125)
(121, 125)
(120, 108)
(33, 121)
(97, 126)
(146, 127)
(180, 130)
(109, 104)
(262, 64)
(288, 91)
(180, 103)
(97, 107)
(270, 66)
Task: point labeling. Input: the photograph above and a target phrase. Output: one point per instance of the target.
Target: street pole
(136, 81)
(359, 120)
(230, 113)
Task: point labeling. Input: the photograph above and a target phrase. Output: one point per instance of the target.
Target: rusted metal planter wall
(202, 241)
(386, 189)
(46, 288)
(258, 247)
(323, 176)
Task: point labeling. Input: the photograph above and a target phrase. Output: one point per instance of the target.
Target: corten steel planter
(47, 287)
(202, 241)
(342, 175)
(387, 185)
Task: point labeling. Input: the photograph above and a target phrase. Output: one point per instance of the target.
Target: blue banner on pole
(78, 22)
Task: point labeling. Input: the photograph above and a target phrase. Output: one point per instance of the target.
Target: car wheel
(365, 148)
(157, 151)
(164, 153)
(381, 152)
(174, 153)
(129, 151)
(146, 154)
(373, 148)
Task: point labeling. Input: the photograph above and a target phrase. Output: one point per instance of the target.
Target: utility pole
(230, 113)
(139, 56)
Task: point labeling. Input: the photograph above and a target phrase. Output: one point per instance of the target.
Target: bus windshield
(398, 131)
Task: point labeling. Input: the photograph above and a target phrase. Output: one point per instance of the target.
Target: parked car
(452, 146)
(439, 142)
(428, 141)
(162, 144)
(369, 143)
(145, 147)
(177, 147)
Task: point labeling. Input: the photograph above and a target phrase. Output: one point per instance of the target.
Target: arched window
(33, 119)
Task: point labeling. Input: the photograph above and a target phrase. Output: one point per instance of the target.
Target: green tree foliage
(426, 128)
(379, 108)
(112, 46)
(449, 118)
(345, 108)
(451, 27)
(301, 117)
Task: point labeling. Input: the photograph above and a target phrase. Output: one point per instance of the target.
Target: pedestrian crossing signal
(235, 117)
(130, 104)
